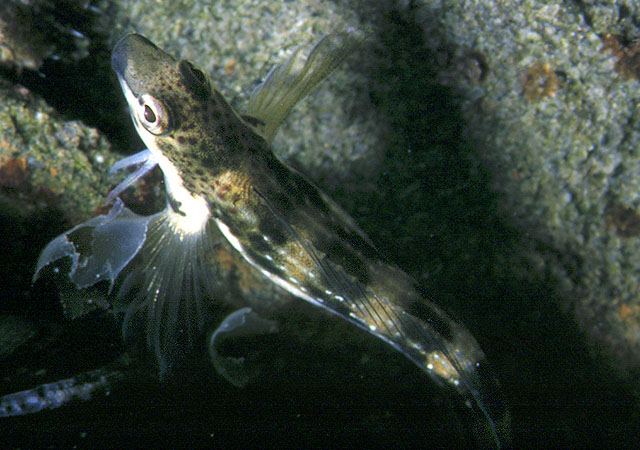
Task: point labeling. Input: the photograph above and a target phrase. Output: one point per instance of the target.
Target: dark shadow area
(24, 236)
(435, 215)
(310, 396)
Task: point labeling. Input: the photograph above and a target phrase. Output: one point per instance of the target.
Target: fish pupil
(149, 115)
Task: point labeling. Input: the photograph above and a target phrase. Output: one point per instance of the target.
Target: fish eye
(149, 115)
(153, 115)
(194, 79)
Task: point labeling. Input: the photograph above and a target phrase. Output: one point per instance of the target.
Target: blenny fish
(223, 182)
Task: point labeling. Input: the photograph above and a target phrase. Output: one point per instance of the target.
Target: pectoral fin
(161, 278)
(144, 159)
(99, 248)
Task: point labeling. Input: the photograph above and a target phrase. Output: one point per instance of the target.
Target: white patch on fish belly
(195, 212)
(195, 209)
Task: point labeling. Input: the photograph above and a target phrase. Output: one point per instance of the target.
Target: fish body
(224, 182)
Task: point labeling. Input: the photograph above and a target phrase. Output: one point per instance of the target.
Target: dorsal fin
(287, 83)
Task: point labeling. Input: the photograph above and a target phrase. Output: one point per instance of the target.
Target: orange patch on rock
(625, 311)
(539, 81)
(14, 173)
(628, 56)
(230, 66)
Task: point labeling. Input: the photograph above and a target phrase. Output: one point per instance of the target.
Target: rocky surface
(489, 148)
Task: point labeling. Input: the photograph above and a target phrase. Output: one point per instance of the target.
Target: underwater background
(488, 148)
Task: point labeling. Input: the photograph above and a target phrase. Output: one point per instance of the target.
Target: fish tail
(448, 352)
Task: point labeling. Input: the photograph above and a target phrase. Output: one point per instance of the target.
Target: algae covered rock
(489, 148)
(547, 96)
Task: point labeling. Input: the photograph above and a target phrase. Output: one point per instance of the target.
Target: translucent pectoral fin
(243, 322)
(102, 246)
(99, 248)
(287, 83)
(169, 291)
(161, 278)
(134, 160)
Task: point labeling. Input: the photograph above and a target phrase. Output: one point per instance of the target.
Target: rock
(546, 94)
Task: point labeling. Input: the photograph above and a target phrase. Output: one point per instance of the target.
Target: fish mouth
(123, 63)
(127, 46)
(136, 60)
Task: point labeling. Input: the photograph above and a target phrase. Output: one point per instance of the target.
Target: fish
(224, 184)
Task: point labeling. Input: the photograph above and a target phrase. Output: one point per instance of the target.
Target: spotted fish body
(222, 178)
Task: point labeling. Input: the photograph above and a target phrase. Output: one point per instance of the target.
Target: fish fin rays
(287, 83)
(168, 291)
(158, 277)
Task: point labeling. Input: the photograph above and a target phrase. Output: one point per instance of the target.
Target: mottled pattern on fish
(279, 221)
(222, 179)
